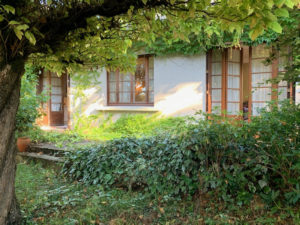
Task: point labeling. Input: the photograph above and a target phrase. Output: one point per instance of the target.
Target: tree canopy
(74, 34)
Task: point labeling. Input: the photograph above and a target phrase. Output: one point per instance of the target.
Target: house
(233, 79)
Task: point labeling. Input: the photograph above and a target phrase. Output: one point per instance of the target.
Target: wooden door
(55, 108)
(58, 92)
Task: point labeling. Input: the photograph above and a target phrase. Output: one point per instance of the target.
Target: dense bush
(233, 161)
(29, 100)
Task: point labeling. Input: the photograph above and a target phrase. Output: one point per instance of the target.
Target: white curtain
(216, 81)
(233, 81)
(261, 89)
(124, 87)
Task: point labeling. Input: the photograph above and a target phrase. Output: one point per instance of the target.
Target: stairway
(48, 155)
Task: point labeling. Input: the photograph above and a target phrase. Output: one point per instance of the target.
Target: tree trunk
(10, 81)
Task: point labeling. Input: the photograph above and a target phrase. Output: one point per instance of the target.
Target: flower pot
(23, 143)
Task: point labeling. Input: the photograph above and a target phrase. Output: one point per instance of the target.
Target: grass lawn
(46, 198)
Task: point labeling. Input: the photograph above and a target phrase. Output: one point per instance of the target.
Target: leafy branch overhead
(72, 34)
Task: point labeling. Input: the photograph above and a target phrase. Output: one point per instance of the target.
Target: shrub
(133, 163)
(232, 161)
(29, 101)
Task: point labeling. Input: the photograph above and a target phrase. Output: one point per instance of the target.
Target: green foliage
(98, 128)
(30, 101)
(143, 125)
(107, 30)
(46, 198)
(59, 138)
(232, 161)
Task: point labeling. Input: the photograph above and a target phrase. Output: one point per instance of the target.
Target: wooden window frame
(132, 87)
(274, 74)
(224, 83)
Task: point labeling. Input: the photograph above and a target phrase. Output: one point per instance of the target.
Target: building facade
(232, 80)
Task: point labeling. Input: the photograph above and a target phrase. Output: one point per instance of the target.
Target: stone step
(48, 149)
(41, 156)
(46, 160)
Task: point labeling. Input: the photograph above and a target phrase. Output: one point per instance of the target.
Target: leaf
(13, 22)
(145, 2)
(289, 4)
(30, 37)
(282, 12)
(279, 3)
(9, 9)
(275, 26)
(256, 32)
(18, 33)
(262, 183)
(22, 27)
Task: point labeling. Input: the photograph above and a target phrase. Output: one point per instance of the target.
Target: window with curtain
(224, 68)
(262, 89)
(133, 89)
(260, 74)
(233, 77)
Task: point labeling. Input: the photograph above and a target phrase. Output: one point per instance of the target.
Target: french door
(225, 81)
(55, 110)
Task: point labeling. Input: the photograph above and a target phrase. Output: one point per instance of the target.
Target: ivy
(233, 162)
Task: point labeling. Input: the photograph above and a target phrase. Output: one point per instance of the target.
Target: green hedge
(232, 161)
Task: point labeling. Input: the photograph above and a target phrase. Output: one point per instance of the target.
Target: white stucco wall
(179, 89)
(180, 84)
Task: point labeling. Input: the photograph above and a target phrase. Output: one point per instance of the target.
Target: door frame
(46, 120)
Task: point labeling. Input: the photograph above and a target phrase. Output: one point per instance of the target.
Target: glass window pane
(216, 95)
(124, 97)
(56, 90)
(112, 76)
(233, 82)
(56, 107)
(233, 95)
(140, 82)
(260, 51)
(125, 77)
(233, 108)
(261, 94)
(56, 98)
(124, 86)
(112, 97)
(112, 86)
(55, 81)
(217, 55)
(216, 69)
(216, 107)
(45, 81)
(256, 107)
(151, 97)
(283, 83)
(53, 75)
(140, 97)
(259, 66)
(233, 68)
(216, 81)
(282, 93)
(234, 55)
(151, 85)
(260, 80)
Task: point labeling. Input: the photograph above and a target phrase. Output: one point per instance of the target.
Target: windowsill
(128, 108)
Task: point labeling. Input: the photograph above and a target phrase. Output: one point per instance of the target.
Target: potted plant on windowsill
(28, 110)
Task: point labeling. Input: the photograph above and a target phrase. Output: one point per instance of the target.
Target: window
(224, 81)
(132, 89)
(238, 80)
(262, 90)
